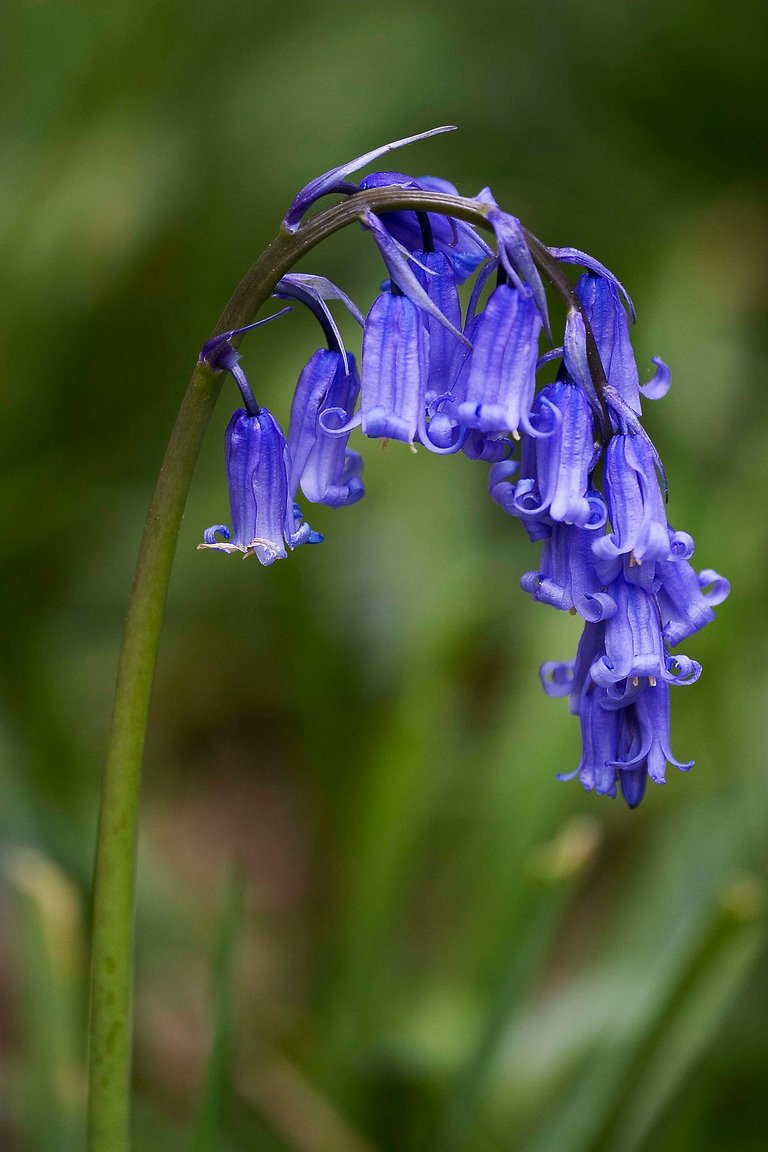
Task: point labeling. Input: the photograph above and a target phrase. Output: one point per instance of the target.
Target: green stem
(114, 878)
(115, 865)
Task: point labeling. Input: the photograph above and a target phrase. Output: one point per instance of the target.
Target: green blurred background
(369, 918)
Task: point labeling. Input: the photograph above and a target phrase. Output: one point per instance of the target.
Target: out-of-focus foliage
(441, 947)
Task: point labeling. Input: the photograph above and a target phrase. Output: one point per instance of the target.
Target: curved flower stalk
(571, 462)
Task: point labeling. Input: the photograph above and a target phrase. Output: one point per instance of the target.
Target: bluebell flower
(601, 732)
(265, 521)
(635, 503)
(395, 369)
(495, 387)
(634, 645)
(327, 391)
(566, 578)
(647, 724)
(264, 517)
(610, 326)
(607, 551)
(405, 362)
(454, 239)
(626, 744)
(435, 273)
(555, 477)
(687, 599)
(321, 462)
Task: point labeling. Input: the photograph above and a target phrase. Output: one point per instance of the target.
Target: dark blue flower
(555, 477)
(647, 722)
(634, 645)
(435, 273)
(566, 578)
(456, 240)
(687, 599)
(327, 390)
(395, 369)
(495, 387)
(264, 518)
(610, 326)
(601, 733)
(328, 472)
(627, 744)
(635, 503)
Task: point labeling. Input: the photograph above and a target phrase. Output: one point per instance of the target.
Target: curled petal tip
(659, 384)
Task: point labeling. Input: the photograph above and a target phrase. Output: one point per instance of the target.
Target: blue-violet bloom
(264, 518)
(559, 481)
(328, 472)
(495, 388)
(635, 503)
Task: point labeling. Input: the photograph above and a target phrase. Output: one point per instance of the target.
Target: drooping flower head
(570, 459)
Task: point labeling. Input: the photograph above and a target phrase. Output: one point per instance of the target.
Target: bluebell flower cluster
(570, 458)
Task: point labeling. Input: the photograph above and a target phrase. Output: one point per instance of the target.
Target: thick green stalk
(115, 866)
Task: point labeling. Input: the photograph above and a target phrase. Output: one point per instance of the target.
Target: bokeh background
(369, 918)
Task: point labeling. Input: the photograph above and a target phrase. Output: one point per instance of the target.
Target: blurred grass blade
(217, 1084)
(50, 956)
(621, 1091)
(403, 781)
(294, 1110)
(722, 967)
(553, 871)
